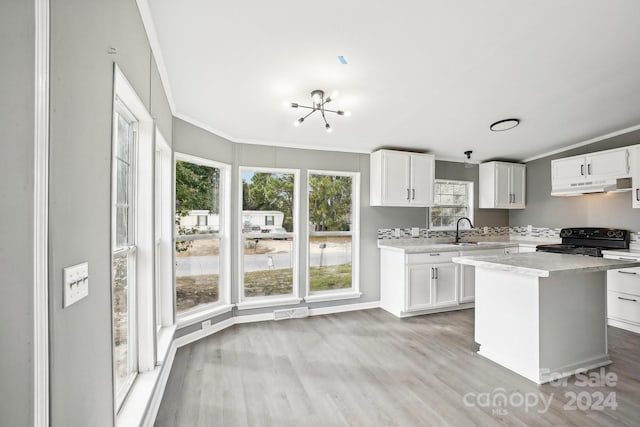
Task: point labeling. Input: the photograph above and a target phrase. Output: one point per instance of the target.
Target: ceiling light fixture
(318, 102)
(468, 164)
(505, 124)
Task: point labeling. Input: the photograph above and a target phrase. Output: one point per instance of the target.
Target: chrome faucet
(458, 227)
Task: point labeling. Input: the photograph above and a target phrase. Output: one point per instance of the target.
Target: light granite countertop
(415, 246)
(544, 264)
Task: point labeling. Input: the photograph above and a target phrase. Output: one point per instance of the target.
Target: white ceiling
(428, 75)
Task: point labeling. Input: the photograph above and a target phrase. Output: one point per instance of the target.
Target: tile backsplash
(497, 233)
(533, 233)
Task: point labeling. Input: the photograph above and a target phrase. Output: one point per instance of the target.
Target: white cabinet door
(518, 186)
(608, 164)
(502, 184)
(396, 180)
(445, 284)
(635, 175)
(564, 172)
(419, 295)
(422, 180)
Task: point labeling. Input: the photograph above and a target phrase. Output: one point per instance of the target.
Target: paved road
(198, 265)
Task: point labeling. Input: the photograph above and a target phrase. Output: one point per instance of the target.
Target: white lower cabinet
(623, 298)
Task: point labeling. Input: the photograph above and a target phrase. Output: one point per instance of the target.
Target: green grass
(330, 277)
(192, 291)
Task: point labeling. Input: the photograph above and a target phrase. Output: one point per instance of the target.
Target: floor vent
(291, 313)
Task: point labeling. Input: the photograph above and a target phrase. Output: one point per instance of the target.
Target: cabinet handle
(434, 254)
(436, 271)
(589, 169)
(408, 194)
(432, 274)
(582, 170)
(638, 194)
(413, 194)
(626, 259)
(628, 299)
(626, 272)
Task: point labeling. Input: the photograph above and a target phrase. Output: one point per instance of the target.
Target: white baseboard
(250, 318)
(158, 392)
(201, 333)
(343, 308)
(624, 325)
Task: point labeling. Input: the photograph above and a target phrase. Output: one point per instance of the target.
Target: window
(333, 214)
(124, 250)
(452, 201)
(201, 246)
(132, 239)
(163, 235)
(268, 267)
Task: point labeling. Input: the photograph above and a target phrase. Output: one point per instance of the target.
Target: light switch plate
(396, 232)
(415, 231)
(76, 283)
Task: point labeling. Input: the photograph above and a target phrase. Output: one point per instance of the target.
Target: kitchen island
(542, 315)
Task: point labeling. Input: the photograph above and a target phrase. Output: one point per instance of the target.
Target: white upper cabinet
(635, 175)
(584, 171)
(502, 185)
(400, 178)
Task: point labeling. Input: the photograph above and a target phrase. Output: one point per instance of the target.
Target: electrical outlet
(396, 232)
(76, 283)
(529, 229)
(206, 324)
(485, 230)
(415, 231)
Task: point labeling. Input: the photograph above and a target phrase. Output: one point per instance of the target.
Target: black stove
(588, 241)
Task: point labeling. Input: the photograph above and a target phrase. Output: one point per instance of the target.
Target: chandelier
(318, 102)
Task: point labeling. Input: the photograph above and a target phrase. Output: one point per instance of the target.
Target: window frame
(163, 219)
(245, 303)
(205, 311)
(128, 252)
(354, 290)
(470, 205)
(142, 314)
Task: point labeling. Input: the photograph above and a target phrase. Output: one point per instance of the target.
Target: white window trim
(144, 230)
(471, 203)
(164, 283)
(275, 300)
(223, 305)
(354, 290)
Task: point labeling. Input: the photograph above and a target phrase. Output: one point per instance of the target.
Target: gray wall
(481, 217)
(594, 210)
(192, 140)
(80, 177)
(17, 47)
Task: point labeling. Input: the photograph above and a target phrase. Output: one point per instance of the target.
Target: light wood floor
(367, 368)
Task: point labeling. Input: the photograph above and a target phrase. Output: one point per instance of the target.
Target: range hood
(599, 186)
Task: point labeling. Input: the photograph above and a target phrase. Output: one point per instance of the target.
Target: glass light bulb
(298, 122)
(347, 113)
(328, 128)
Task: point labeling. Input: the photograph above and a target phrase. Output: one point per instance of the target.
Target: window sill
(134, 407)
(262, 303)
(332, 296)
(206, 313)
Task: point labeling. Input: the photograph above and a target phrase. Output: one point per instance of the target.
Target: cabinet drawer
(625, 280)
(623, 307)
(430, 258)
